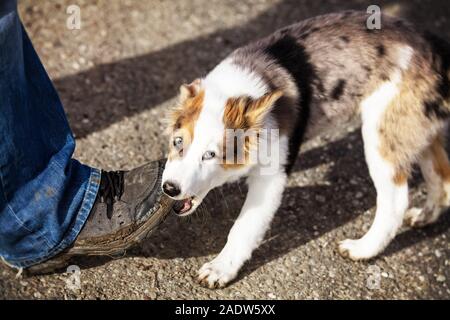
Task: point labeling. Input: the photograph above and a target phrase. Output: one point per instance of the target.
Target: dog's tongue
(182, 206)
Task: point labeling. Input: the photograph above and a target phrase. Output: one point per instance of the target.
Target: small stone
(320, 198)
(82, 48)
(440, 278)
(271, 296)
(437, 253)
(152, 295)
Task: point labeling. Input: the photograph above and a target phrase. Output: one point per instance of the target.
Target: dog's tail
(441, 64)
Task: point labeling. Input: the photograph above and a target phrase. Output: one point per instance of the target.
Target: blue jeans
(45, 195)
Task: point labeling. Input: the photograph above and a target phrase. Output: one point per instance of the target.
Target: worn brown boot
(128, 207)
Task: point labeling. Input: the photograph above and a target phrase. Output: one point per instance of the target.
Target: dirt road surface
(117, 76)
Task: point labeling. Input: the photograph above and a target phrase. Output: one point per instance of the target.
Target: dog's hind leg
(390, 181)
(435, 169)
(392, 201)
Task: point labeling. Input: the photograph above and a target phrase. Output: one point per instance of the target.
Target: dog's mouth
(182, 207)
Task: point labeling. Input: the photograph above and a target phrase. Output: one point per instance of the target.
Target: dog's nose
(171, 189)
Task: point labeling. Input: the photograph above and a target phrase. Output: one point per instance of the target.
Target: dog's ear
(246, 113)
(190, 102)
(190, 90)
(258, 109)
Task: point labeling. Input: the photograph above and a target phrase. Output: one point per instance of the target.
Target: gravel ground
(118, 74)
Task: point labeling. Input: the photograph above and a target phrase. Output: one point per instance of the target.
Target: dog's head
(212, 139)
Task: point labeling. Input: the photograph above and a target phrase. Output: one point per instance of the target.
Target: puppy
(299, 81)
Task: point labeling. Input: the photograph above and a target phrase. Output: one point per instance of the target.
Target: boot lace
(111, 189)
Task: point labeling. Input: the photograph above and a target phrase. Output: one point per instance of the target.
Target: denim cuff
(71, 235)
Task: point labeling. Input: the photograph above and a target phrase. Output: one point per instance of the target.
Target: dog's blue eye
(208, 155)
(177, 142)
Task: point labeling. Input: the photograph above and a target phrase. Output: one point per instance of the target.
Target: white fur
(266, 177)
(392, 199)
(263, 199)
(404, 54)
(230, 80)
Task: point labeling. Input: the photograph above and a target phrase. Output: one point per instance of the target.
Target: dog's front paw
(356, 249)
(216, 274)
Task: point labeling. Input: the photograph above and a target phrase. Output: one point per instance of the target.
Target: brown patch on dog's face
(188, 114)
(246, 115)
(184, 117)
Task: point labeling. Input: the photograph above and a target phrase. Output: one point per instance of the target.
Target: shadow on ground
(110, 92)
